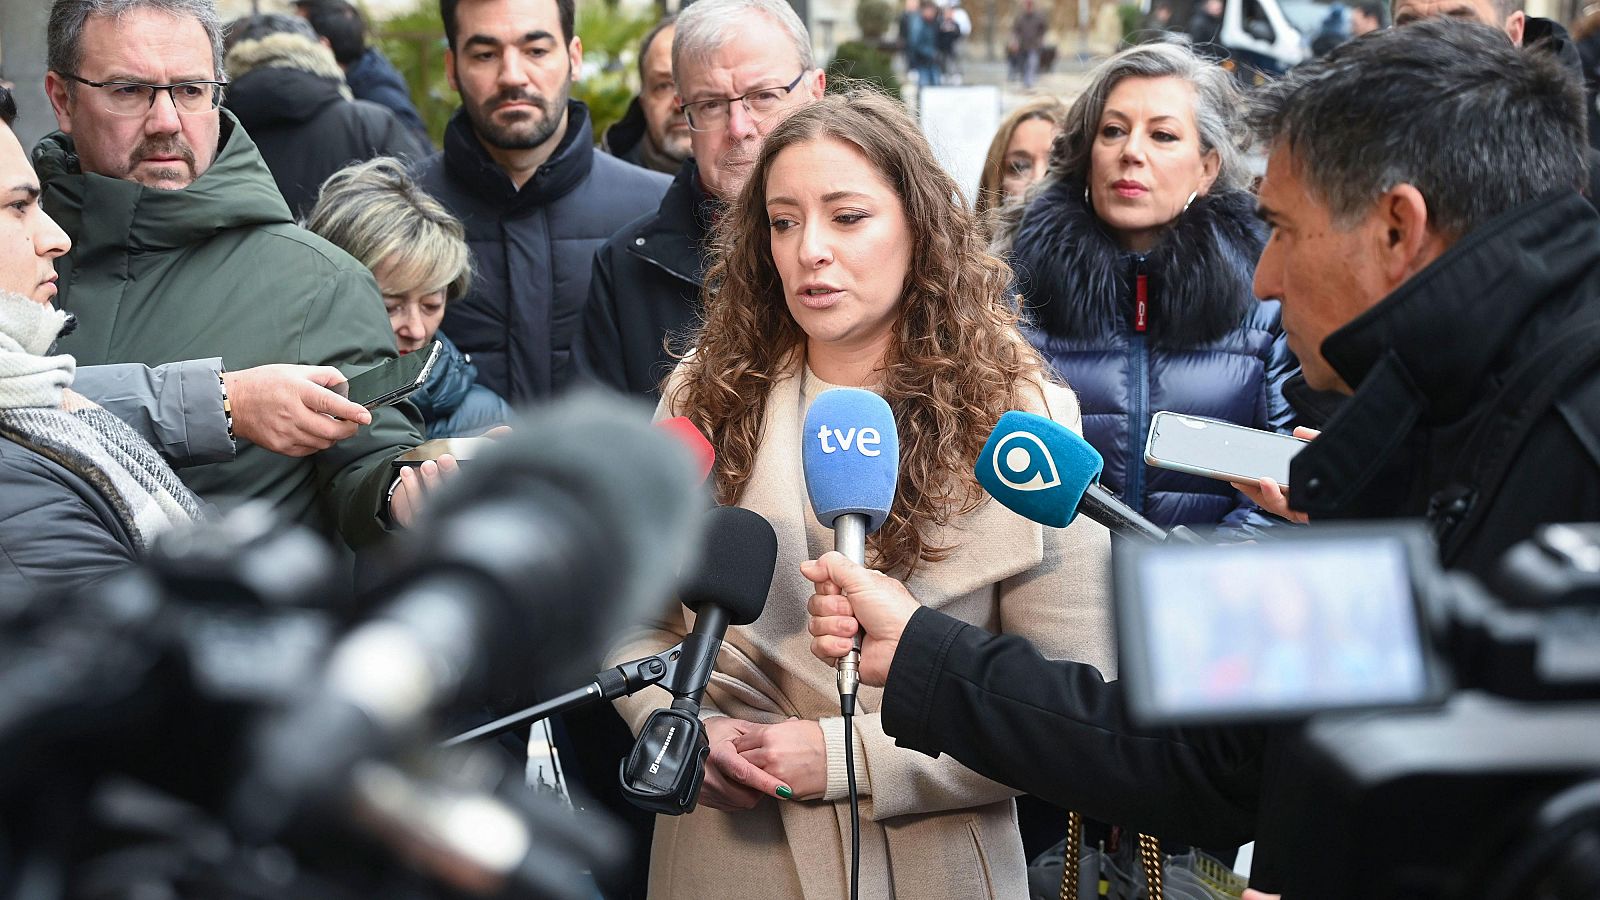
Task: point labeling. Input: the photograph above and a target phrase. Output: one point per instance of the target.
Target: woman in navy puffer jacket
(1135, 258)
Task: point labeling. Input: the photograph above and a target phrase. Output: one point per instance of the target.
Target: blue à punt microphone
(1044, 471)
(851, 452)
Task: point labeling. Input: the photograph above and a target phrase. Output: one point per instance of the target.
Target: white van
(1258, 34)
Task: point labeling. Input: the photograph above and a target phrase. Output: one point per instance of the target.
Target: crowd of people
(234, 219)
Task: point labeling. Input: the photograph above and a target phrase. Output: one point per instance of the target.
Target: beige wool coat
(931, 829)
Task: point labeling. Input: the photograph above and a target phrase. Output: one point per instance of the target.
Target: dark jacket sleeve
(598, 349)
(177, 407)
(1057, 730)
(346, 327)
(52, 536)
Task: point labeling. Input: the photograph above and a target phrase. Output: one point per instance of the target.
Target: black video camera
(1442, 741)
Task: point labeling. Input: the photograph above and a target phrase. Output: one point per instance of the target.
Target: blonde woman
(815, 287)
(418, 252)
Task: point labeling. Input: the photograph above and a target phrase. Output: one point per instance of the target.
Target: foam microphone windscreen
(681, 428)
(851, 452)
(1037, 468)
(735, 572)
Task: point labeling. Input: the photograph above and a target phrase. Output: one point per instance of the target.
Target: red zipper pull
(1141, 305)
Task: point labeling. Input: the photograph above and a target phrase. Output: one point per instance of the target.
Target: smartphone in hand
(392, 380)
(1212, 448)
(461, 448)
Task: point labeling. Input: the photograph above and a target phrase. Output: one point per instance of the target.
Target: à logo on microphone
(866, 441)
(1023, 463)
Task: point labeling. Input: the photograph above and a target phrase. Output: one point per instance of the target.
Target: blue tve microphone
(1045, 471)
(852, 461)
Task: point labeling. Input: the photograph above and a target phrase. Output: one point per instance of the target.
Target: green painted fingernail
(785, 793)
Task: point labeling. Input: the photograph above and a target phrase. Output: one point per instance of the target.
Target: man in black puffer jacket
(521, 171)
(291, 98)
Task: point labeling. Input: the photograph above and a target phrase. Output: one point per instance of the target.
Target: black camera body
(1437, 740)
(1482, 797)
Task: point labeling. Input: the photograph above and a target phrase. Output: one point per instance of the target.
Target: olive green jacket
(219, 269)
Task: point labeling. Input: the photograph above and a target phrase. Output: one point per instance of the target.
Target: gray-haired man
(1538, 34)
(183, 247)
(741, 66)
(1422, 272)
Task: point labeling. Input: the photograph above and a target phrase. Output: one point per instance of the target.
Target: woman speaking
(850, 260)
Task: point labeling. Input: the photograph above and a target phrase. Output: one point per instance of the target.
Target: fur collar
(286, 51)
(1078, 283)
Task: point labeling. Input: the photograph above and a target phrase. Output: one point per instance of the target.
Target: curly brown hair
(958, 360)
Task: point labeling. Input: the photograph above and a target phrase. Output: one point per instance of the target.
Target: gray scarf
(39, 412)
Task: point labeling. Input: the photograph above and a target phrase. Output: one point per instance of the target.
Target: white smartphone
(1212, 448)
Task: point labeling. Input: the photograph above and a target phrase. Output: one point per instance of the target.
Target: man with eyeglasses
(521, 171)
(184, 249)
(741, 67)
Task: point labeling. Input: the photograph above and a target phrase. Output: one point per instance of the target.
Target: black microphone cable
(847, 706)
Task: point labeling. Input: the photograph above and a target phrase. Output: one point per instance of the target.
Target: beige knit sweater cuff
(838, 782)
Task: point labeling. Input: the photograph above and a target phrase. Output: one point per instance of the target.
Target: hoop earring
(1086, 204)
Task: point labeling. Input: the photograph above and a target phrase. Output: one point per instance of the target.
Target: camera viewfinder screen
(1279, 628)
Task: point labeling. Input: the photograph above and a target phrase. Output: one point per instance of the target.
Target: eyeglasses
(710, 115)
(132, 98)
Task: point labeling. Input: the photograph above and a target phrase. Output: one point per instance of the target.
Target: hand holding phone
(457, 448)
(1274, 497)
(393, 380)
(1212, 448)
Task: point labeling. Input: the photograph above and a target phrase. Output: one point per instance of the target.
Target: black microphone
(731, 592)
(730, 586)
(541, 549)
(1103, 506)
